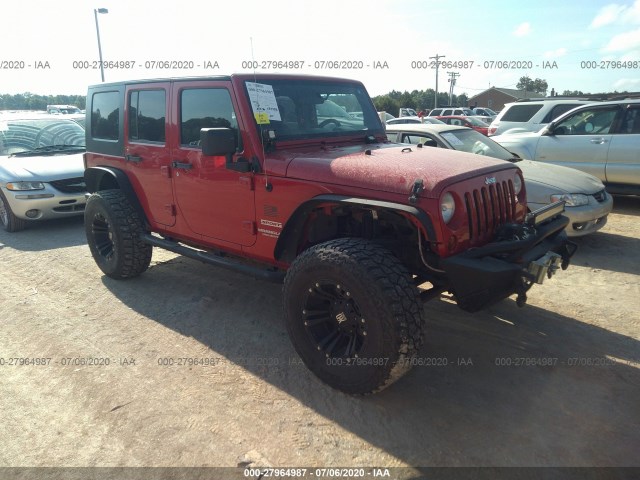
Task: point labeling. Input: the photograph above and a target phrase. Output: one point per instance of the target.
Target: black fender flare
(94, 177)
(286, 246)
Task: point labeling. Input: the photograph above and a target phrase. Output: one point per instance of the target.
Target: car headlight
(517, 184)
(571, 199)
(20, 186)
(447, 207)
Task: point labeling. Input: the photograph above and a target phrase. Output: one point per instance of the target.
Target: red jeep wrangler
(291, 178)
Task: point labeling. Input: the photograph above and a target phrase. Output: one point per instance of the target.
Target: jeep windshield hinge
(418, 186)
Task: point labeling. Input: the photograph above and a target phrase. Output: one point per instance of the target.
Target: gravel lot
(554, 384)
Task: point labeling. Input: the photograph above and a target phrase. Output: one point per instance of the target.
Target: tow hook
(544, 266)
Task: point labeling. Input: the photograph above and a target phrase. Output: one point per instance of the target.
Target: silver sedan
(41, 169)
(586, 200)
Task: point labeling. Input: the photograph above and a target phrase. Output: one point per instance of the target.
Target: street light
(96, 11)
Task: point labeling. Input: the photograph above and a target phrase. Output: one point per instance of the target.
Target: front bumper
(44, 204)
(482, 276)
(586, 219)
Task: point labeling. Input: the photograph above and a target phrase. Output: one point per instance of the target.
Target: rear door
(214, 201)
(623, 159)
(581, 140)
(147, 157)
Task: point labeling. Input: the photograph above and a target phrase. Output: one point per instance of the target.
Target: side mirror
(218, 141)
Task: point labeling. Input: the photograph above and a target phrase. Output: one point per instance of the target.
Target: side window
(105, 113)
(416, 139)
(520, 113)
(591, 121)
(559, 110)
(631, 122)
(204, 108)
(392, 136)
(147, 116)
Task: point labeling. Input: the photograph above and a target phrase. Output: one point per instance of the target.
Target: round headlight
(517, 183)
(447, 207)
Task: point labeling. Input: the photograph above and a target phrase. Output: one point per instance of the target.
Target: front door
(214, 201)
(581, 140)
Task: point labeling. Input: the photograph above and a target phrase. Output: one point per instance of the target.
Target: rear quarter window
(520, 113)
(105, 115)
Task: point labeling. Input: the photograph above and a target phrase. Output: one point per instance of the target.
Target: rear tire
(113, 228)
(353, 314)
(9, 221)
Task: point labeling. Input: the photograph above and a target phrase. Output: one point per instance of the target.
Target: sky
(50, 47)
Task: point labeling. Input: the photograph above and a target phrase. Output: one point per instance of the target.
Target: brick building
(495, 98)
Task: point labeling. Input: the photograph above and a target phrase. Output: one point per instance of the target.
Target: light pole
(437, 57)
(96, 11)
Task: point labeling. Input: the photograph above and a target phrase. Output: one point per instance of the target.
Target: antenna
(267, 185)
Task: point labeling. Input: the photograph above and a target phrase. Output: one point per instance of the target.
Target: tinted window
(520, 113)
(147, 115)
(631, 122)
(204, 108)
(105, 111)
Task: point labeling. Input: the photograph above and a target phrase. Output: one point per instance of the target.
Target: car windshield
(23, 136)
(468, 140)
(309, 109)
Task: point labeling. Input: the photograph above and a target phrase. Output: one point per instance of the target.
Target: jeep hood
(41, 168)
(392, 168)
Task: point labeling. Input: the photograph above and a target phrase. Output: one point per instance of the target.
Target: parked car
(602, 139)
(41, 169)
(487, 115)
(385, 116)
(63, 109)
(396, 121)
(447, 111)
(587, 201)
(471, 122)
(531, 115)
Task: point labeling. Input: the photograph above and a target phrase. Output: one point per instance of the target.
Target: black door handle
(133, 158)
(184, 166)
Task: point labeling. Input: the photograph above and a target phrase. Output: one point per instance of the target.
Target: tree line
(29, 101)
(417, 99)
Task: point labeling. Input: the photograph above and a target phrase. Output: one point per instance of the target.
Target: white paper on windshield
(263, 100)
(452, 139)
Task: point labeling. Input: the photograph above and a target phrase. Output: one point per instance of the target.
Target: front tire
(9, 221)
(113, 228)
(353, 314)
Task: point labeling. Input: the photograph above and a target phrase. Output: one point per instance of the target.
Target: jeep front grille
(488, 208)
(70, 185)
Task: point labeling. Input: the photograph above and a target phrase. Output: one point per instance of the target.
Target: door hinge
(246, 181)
(249, 226)
(171, 208)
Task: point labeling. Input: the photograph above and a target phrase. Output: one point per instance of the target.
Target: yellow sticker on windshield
(262, 118)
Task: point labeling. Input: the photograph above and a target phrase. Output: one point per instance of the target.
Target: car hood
(42, 168)
(540, 176)
(516, 137)
(391, 168)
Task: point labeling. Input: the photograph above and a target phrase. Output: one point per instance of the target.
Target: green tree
(528, 85)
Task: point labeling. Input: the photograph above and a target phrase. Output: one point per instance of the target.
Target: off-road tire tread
(136, 254)
(391, 289)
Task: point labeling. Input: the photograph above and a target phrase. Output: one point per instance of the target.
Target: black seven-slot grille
(70, 185)
(488, 208)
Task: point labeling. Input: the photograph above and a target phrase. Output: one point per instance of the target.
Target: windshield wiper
(48, 149)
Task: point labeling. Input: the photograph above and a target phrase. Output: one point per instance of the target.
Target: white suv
(531, 115)
(447, 111)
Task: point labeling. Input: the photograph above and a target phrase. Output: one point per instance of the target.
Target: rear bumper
(485, 275)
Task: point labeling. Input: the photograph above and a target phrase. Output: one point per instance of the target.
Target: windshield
(476, 123)
(468, 140)
(305, 109)
(17, 136)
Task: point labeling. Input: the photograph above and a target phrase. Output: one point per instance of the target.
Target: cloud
(624, 41)
(560, 52)
(614, 13)
(607, 15)
(522, 30)
(627, 84)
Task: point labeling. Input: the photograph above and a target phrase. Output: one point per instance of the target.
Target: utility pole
(437, 58)
(452, 82)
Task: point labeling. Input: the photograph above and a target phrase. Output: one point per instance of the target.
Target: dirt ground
(498, 397)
